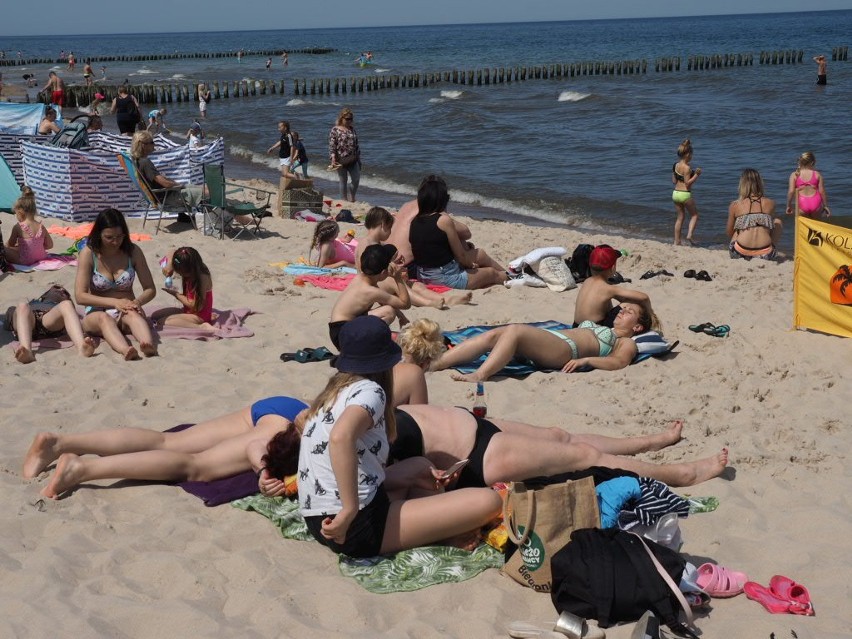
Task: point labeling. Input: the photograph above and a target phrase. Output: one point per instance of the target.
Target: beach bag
(579, 262)
(54, 295)
(555, 274)
(347, 160)
(614, 576)
(539, 521)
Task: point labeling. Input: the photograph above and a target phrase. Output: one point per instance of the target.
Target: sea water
(594, 153)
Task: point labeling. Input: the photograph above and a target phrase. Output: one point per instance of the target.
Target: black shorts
(334, 333)
(365, 534)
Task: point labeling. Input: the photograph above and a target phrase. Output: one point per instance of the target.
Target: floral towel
(403, 572)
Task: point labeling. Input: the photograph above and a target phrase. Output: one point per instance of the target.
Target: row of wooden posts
(169, 93)
(17, 62)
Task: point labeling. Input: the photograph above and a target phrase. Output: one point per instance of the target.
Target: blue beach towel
(649, 343)
(304, 269)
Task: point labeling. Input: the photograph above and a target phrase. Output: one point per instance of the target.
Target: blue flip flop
(718, 331)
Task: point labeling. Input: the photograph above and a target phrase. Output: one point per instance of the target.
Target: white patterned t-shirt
(318, 492)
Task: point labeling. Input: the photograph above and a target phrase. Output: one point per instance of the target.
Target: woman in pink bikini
(806, 189)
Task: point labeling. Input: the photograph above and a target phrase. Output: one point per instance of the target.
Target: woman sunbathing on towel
(589, 344)
(258, 437)
(503, 450)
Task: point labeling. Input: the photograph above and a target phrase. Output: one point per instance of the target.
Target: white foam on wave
(572, 96)
(383, 70)
(253, 156)
(178, 76)
(452, 95)
(476, 199)
(143, 71)
(294, 102)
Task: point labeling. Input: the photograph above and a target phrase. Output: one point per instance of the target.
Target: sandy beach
(131, 559)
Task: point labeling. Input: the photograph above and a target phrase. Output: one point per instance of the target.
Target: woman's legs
(64, 315)
(484, 276)
(515, 458)
(47, 447)
(100, 323)
(611, 445)
(504, 343)
(693, 220)
(138, 325)
(354, 170)
(176, 317)
(427, 520)
(24, 323)
(342, 175)
(679, 210)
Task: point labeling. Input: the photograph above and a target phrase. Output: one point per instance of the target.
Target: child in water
(29, 240)
(332, 252)
(196, 294)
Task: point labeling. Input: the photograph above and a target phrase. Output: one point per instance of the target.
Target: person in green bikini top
(568, 350)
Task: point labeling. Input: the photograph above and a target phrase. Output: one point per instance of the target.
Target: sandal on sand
(718, 331)
(689, 273)
(704, 276)
(720, 582)
(701, 328)
(307, 355)
(766, 598)
(788, 590)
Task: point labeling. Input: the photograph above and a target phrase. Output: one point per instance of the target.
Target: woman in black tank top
(126, 110)
(439, 253)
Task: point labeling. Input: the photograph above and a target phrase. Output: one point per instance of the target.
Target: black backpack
(579, 262)
(607, 575)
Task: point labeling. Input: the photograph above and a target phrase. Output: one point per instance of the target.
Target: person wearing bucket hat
(363, 293)
(594, 301)
(349, 502)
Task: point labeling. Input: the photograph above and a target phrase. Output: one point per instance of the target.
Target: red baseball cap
(603, 257)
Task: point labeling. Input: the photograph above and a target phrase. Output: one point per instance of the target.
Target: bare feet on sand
(67, 475)
(702, 469)
(148, 350)
(461, 298)
(131, 354)
(24, 355)
(88, 347)
(466, 377)
(672, 435)
(466, 541)
(41, 454)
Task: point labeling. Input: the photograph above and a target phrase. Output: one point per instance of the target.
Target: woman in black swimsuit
(504, 450)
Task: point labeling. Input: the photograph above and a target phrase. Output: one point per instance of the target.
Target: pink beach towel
(332, 283)
(52, 262)
(228, 324)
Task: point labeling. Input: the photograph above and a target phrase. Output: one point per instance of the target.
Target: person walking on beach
(284, 145)
(88, 72)
(72, 61)
(822, 70)
(57, 88)
(285, 58)
(268, 64)
(126, 110)
(683, 176)
(345, 153)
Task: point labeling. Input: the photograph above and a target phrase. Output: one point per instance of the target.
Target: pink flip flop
(720, 582)
(766, 598)
(788, 590)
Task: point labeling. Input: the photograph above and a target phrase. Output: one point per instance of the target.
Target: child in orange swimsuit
(196, 295)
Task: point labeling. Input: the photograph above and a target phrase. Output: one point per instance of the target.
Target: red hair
(282, 453)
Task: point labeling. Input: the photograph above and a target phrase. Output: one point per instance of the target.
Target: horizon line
(406, 26)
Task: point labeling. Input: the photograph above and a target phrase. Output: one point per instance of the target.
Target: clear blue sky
(48, 17)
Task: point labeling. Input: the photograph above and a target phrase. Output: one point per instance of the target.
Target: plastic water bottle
(479, 407)
(169, 282)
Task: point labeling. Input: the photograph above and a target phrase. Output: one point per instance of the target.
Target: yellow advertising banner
(822, 275)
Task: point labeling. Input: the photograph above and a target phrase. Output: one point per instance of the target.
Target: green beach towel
(403, 572)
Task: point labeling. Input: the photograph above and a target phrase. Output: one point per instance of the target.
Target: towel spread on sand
(53, 262)
(519, 367)
(227, 324)
(332, 283)
(83, 230)
(403, 572)
(305, 269)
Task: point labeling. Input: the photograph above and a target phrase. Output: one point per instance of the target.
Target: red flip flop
(766, 598)
(787, 589)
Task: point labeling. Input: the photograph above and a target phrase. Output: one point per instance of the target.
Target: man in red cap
(594, 301)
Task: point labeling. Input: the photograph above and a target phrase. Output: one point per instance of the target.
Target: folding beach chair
(9, 189)
(230, 213)
(155, 198)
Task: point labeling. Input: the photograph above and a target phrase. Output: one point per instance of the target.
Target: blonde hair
(26, 202)
(685, 148)
(340, 380)
(345, 111)
(422, 341)
(137, 146)
(807, 160)
(751, 184)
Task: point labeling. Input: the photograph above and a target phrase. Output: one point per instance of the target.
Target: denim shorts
(450, 274)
